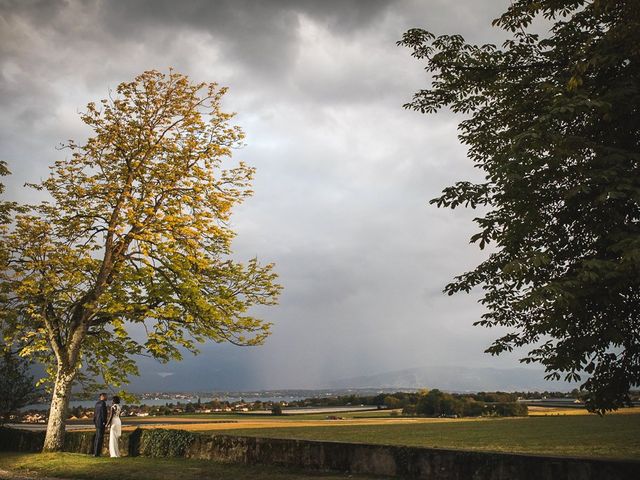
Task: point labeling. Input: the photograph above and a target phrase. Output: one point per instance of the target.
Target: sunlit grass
(78, 466)
(612, 436)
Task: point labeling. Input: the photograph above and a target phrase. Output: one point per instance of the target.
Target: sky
(344, 173)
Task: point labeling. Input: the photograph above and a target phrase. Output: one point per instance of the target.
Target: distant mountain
(460, 379)
(224, 375)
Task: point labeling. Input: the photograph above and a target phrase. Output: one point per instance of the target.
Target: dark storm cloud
(344, 173)
(259, 35)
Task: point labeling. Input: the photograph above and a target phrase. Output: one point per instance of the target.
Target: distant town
(283, 402)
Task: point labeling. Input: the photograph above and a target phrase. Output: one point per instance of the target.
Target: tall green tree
(553, 121)
(17, 385)
(136, 235)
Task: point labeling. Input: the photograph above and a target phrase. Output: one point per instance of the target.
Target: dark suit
(99, 420)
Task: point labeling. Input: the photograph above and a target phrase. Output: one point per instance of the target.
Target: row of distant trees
(435, 403)
(402, 399)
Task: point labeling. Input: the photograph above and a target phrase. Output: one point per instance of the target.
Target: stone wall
(407, 462)
(393, 461)
(14, 440)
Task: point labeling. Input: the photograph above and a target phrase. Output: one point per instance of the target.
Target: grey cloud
(260, 36)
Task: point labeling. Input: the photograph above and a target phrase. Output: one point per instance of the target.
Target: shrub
(436, 403)
(162, 442)
(392, 402)
(472, 408)
(507, 409)
(409, 410)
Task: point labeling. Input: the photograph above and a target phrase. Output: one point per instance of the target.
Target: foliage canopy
(554, 124)
(136, 237)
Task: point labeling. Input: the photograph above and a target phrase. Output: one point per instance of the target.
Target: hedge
(148, 443)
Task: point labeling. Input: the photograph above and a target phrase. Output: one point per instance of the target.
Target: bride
(116, 426)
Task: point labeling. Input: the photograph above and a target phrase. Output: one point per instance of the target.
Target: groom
(100, 421)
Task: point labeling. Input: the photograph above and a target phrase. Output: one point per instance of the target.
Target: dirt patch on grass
(535, 411)
(242, 424)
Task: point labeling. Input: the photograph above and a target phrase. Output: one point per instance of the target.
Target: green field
(612, 436)
(78, 466)
(284, 418)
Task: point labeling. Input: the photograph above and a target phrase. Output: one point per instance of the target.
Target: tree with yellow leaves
(136, 233)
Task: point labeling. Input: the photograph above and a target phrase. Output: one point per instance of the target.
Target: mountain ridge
(457, 378)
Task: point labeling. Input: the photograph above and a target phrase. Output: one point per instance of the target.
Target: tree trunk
(54, 441)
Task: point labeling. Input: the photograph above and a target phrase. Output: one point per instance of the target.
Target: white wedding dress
(115, 431)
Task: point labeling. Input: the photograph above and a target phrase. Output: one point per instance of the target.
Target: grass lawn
(284, 418)
(369, 414)
(250, 416)
(612, 436)
(78, 466)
